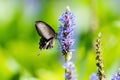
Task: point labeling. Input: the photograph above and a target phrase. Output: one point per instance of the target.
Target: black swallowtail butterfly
(47, 34)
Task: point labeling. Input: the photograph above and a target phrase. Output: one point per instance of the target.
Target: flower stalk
(99, 63)
(66, 41)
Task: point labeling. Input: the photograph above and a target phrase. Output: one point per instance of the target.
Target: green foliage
(19, 41)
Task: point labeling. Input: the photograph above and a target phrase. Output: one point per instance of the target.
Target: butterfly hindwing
(46, 44)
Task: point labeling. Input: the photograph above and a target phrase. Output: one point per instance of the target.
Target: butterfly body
(47, 34)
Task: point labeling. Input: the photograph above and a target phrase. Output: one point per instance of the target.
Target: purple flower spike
(66, 41)
(116, 76)
(66, 27)
(71, 71)
(94, 77)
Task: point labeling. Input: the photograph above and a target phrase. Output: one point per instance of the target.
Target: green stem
(68, 57)
(66, 60)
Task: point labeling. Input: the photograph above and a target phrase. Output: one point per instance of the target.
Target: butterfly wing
(47, 34)
(44, 30)
(46, 44)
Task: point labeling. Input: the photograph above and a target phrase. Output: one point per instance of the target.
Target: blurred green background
(19, 41)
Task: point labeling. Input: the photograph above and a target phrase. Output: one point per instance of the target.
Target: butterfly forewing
(44, 30)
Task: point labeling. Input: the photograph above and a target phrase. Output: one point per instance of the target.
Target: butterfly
(47, 33)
